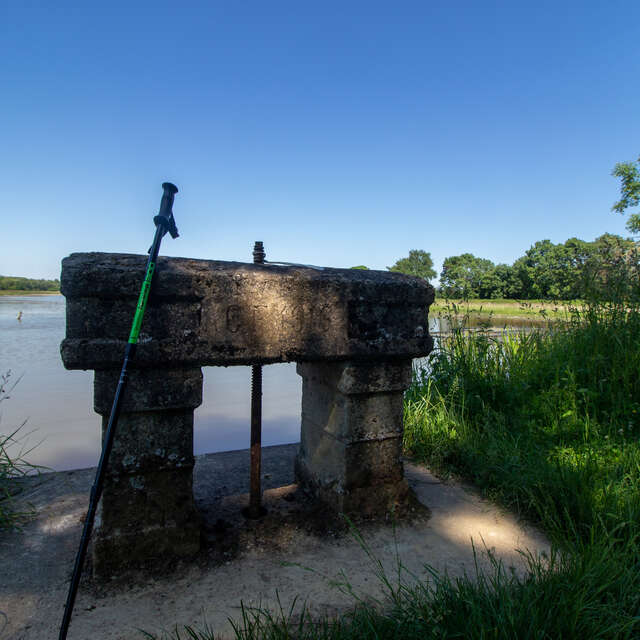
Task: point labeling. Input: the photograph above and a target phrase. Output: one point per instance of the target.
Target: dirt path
(249, 561)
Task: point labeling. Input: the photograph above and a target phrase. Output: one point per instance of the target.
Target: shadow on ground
(297, 550)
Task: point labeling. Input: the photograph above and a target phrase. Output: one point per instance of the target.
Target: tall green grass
(13, 464)
(547, 422)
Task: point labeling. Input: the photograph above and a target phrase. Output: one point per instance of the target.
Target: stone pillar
(351, 439)
(147, 513)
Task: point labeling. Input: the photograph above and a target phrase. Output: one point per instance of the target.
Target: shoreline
(16, 292)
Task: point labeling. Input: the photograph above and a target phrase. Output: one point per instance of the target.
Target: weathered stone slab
(205, 312)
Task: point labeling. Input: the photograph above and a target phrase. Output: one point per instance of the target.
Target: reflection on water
(58, 404)
(442, 324)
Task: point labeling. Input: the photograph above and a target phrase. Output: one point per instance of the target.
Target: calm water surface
(58, 404)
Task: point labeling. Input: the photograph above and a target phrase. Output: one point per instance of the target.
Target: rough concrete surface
(292, 551)
(210, 313)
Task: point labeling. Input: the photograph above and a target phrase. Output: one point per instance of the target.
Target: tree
(466, 276)
(612, 270)
(629, 174)
(28, 284)
(510, 283)
(545, 271)
(361, 266)
(567, 271)
(419, 263)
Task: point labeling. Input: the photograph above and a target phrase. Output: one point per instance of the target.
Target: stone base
(145, 520)
(351, 439)
(153, 547)
(147, 515)
(374, 500)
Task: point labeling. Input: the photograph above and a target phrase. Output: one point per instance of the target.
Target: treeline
(28, 284)
(571, 270)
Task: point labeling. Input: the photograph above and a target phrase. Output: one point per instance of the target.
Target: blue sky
(339, 133)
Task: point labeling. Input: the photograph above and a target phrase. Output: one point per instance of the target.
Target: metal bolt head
(258, 253)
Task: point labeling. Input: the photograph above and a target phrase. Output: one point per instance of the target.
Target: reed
(13, 464)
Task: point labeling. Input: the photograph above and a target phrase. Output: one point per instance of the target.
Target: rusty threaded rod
(255, 492)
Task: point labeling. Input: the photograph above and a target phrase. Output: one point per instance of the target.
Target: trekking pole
(164, 222)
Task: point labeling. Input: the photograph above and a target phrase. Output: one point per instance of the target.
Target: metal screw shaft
(255, 492)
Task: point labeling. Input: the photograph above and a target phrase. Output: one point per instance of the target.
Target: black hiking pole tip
(164, 222)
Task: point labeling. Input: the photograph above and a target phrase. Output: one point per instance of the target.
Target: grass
(24, 292)
(547, 423)
(561, 405)
(541, 310)
(494, 605)
(13, 464)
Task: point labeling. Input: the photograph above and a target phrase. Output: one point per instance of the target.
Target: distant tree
(490, 284)
(577, 255)
(606, 268)
(361, 266)
(544, 271)
(612, 269)
(629, 174)
(466, 276)
(28, 284)
(418, 263)
(510, 283)
(567, 271)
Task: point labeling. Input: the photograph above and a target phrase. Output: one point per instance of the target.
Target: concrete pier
(353, 334)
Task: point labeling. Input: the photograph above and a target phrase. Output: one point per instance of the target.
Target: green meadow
(498, 311)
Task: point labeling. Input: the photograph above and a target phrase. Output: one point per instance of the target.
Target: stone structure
(353, 334)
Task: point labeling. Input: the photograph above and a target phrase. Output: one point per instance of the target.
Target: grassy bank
(19, 292)
(540, 310)
(546, 423)
(13, 463)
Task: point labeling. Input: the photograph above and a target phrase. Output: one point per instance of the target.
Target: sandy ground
(287, 554)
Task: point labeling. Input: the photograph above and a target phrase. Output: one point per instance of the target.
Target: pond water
(57, 404)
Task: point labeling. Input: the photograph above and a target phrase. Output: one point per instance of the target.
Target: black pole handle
(165, 215)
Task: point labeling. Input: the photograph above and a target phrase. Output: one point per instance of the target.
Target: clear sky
(339, 133)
